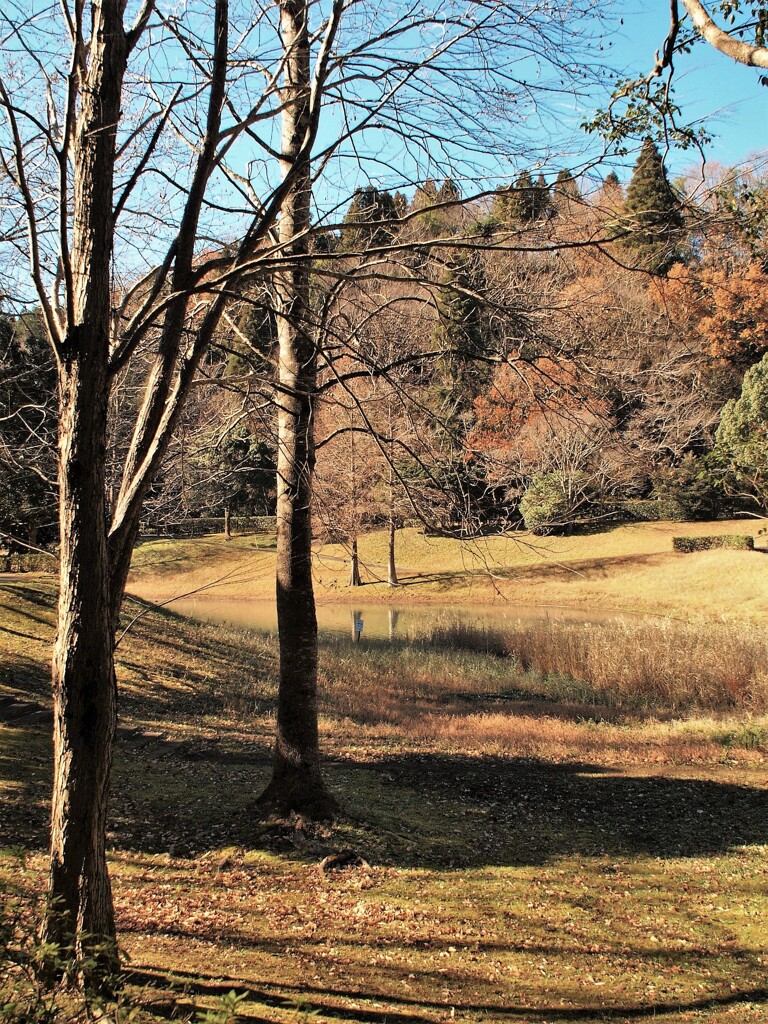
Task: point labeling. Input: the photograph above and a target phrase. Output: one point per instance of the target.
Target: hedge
(210, 524)
(653, 510)
(29, 561)
(732, 541)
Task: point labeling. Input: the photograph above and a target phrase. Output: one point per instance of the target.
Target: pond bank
(629, 568)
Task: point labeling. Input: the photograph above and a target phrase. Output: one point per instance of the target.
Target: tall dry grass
(666, 665)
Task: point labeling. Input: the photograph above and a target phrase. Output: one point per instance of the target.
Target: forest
(550, 356)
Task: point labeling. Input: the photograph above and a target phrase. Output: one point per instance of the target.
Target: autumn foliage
(724, 311)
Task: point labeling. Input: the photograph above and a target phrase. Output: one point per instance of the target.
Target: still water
(381, 621)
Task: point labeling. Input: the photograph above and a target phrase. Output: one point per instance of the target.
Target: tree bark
(736, 49)
(391, 564)
(80, 917)
(354, 568)
(297, 783)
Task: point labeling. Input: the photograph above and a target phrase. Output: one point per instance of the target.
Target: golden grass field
(561, 825)
(624, 568)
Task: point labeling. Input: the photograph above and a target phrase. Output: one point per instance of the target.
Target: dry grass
(534, 857)
(628, 568)
(667, 665)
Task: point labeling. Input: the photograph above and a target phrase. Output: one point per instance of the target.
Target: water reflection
(384, 622)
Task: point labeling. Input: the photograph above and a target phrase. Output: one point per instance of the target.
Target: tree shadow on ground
(189, 985)
(410, 810)
(527, 811)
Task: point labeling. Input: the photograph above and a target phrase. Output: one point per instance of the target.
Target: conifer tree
(541, 199)
(461, 334)
(366, 222)
(449, 192)
(401, 204)
(523, 202)
(742, 437)
(424, 196)
(651, 215)
(566, 184)
(565, 193)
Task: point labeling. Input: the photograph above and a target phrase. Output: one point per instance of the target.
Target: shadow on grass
(315, 998)
(192, 788)
(409, 810)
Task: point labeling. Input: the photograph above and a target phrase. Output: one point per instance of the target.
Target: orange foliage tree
(540, 414)
(724, 311)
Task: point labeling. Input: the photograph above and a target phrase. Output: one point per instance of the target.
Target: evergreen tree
(28, 491)
(401, 204)
(461, 334)
(523, 202)
(742, 437)
(566, 184)
(369, 221)
(424, 196)
(542, 200)
(449, 192)
(565, 192)
(651, 214)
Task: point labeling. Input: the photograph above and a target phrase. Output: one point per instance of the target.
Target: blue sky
(727, 95)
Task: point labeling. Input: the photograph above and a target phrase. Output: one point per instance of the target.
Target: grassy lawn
(629, 567)
(537, 848)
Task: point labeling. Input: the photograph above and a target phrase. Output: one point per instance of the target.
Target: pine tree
(541, 207)
(461, 333)
(523, 202)
(28, 492)
(449, 192)
(565, 194)
(366, 224)
(424, 196)
(401, 204)
(566, 184)
(742, 437)
(651, 214)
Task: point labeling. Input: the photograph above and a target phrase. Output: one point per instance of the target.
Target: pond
(384, 621)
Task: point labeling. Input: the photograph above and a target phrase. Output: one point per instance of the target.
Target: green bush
(651, 510)
(731, 541)
(206, 525)
(29, 561)
(687, 491)
(552, 502)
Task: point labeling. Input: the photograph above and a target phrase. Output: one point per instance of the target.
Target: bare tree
(79, 167)
(142, 193)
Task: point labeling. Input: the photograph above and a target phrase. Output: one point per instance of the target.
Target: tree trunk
(80, 917)
(391, 565)
(227, 531)
(354, 568)
(297, 783)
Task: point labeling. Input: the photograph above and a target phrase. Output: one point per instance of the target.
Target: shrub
(551, 502)
(29, 561)
(731, 541)
(205, 525)
(686, 491)
(651, 510)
